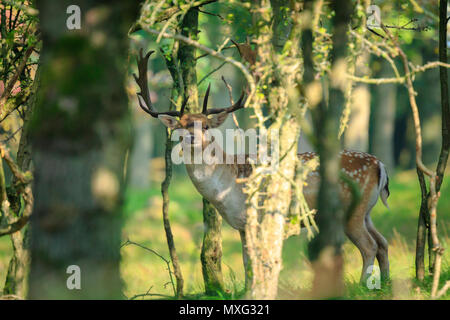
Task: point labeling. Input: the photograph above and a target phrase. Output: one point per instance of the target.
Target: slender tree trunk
(325, 249)
(445, 104)
(212, 250)
(168, 230)
(177, 91)
(81, 132)
(211, 254)
(423, 224)
(436, 255)
(421, 229)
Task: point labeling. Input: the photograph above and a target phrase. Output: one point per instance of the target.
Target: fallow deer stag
(218, 182)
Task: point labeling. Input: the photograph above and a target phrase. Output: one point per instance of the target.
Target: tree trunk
(270, 195)
(422, 228)
(384, 119)
(80, 133)
(211, 255)
(423, 223)
(15, 279)
(168, 230)
(325, 249)
(212, 250)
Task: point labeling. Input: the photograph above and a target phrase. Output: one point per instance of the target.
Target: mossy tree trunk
(80, 134)
(277, 51)
(211, 254)
(15, 278)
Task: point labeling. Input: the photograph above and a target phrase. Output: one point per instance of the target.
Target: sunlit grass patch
(398, 224)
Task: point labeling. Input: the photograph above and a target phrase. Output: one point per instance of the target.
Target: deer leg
(247, 267)
(382, 252)
(362, 239)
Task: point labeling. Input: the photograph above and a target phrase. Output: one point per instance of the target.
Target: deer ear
(217, 119)
(169, 121)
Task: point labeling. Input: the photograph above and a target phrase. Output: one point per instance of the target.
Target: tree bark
(15, 279)
(80, 134)
(270, 194)
(212, 250)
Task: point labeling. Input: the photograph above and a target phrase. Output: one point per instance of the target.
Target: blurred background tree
(80, 135)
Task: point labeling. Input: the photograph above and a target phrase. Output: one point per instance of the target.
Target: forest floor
(145, 273)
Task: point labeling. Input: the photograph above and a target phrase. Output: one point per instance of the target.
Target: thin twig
(230, 93)
(211, 72)
(128, 242)
(11, 136)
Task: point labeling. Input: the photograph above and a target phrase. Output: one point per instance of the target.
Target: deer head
(197, 123)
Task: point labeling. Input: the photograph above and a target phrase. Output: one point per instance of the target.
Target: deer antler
(144, 96)
(205, 101)
(238, 105)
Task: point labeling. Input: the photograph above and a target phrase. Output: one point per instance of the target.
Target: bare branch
(128, 242)
(400, 79)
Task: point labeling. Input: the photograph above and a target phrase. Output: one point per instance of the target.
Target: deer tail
(383, 184)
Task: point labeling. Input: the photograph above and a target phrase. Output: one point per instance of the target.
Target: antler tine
(238, 105)
(144, 96)
(185, 101)
(205, 101)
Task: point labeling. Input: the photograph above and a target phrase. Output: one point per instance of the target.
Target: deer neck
(208, 176)
(217, 183)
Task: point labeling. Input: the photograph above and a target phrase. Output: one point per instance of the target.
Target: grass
(144, 272)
